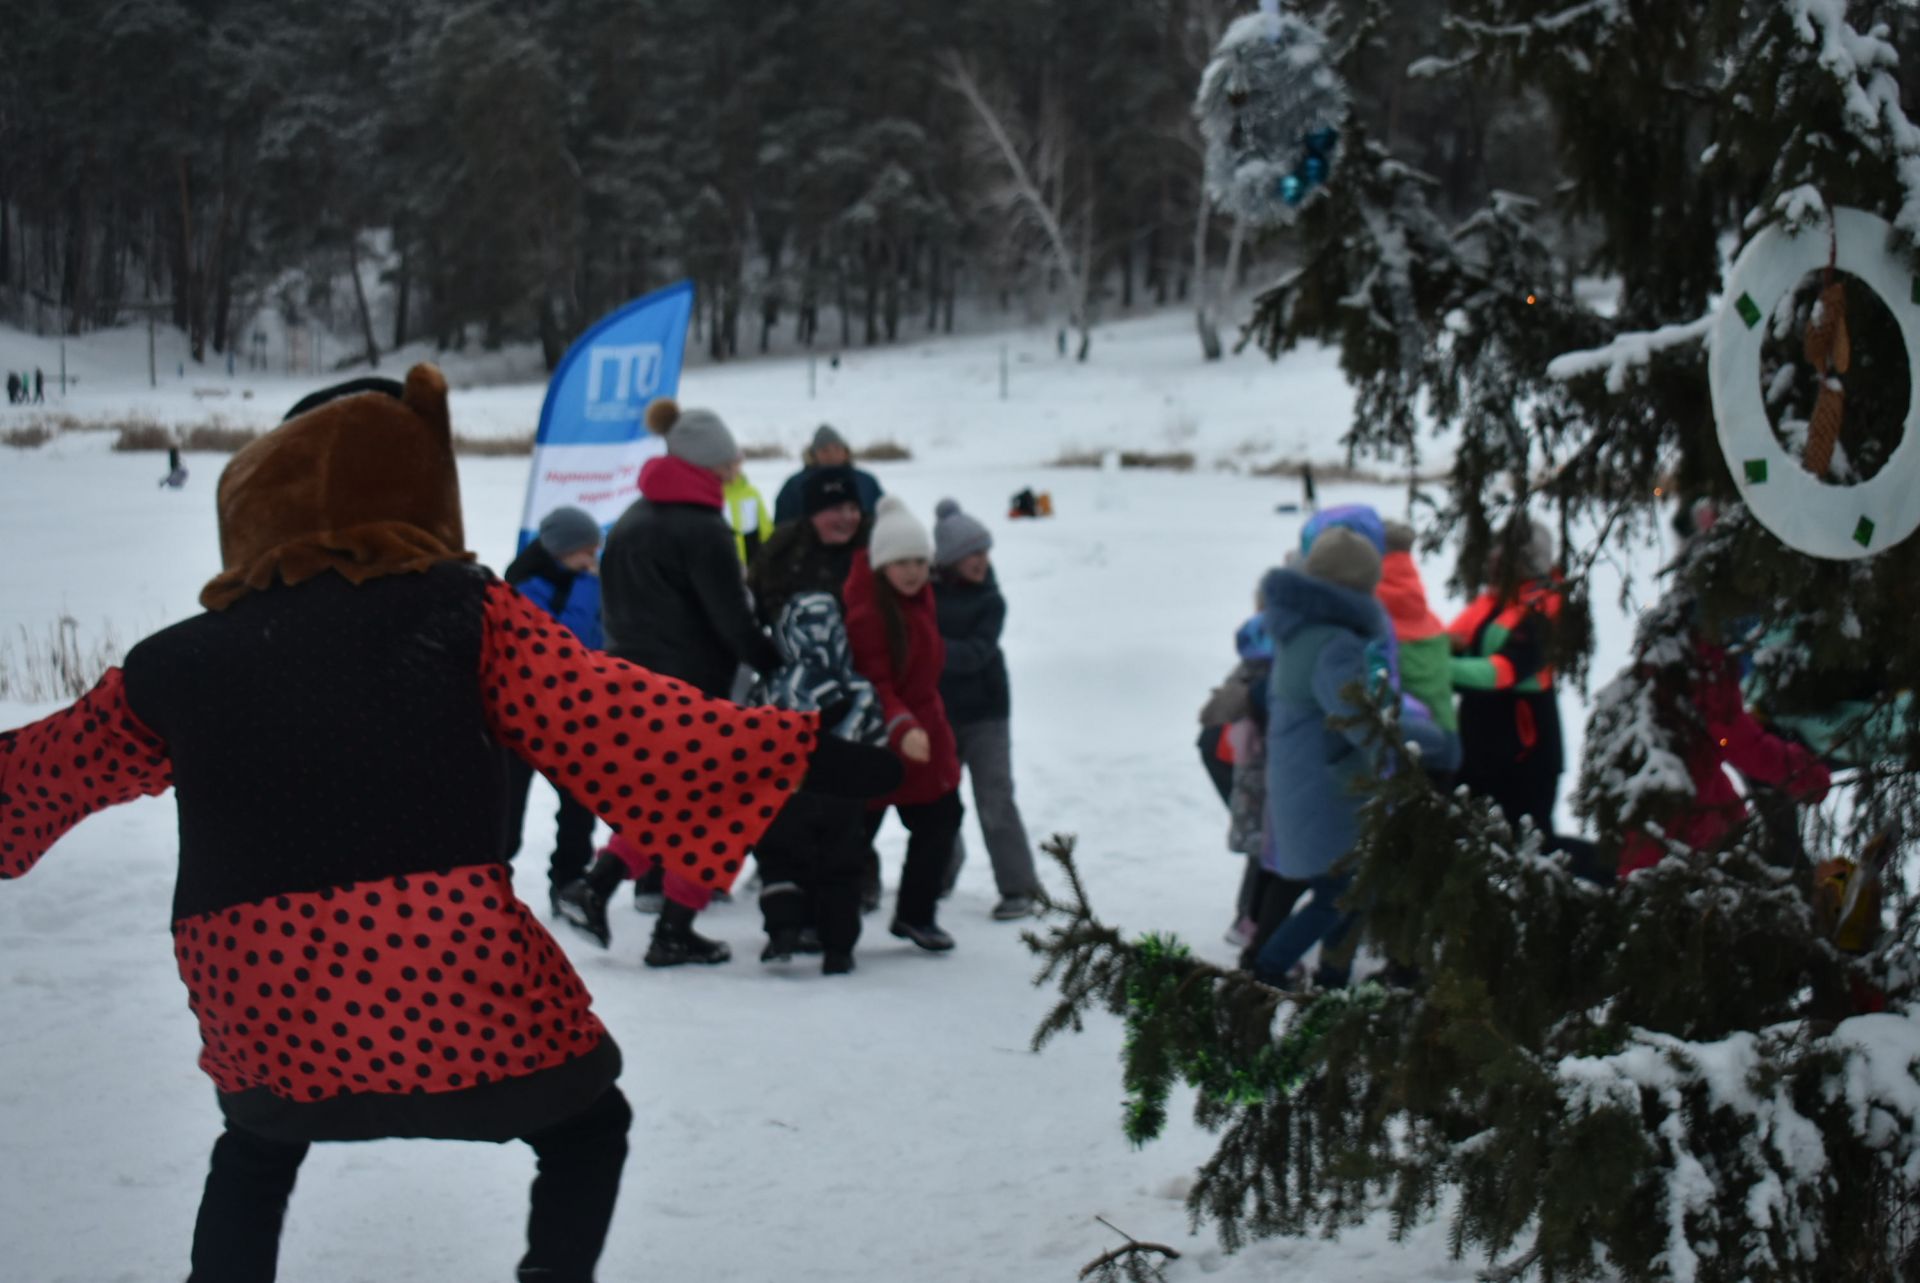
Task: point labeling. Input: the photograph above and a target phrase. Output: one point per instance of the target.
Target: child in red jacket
(895, 634)
(335, 728)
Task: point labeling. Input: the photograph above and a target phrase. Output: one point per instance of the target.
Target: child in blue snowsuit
(557, 572)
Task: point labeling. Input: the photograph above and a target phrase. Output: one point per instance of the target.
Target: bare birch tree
(1036, 193)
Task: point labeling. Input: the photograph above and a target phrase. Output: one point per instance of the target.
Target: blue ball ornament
(1291, 189)
(1314, 170)
(1321, 142)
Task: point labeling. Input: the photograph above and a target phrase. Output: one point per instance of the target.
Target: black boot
(675, 942)
(583, 901)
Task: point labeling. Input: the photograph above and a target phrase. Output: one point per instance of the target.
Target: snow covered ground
(889, 1125)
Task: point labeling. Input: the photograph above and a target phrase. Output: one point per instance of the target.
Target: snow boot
(782, 944)
(928, 937)
(676, 943)
(582, 903)
(836, 964)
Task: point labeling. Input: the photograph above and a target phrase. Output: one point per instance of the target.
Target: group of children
(850, 608)
(1347, 618)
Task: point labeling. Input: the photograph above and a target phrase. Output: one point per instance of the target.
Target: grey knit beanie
(697, 436)
(566, 530)
(1399, 537)
(1536, 556)
(956, 536)
(826, 438)
(897, 535)
(1339, 556)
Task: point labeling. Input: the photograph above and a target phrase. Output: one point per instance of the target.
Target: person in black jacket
(973, 686)
(673, 600)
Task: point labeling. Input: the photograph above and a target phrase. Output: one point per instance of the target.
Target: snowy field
(890, 1125)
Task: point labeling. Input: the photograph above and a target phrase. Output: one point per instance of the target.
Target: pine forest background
(477, 172)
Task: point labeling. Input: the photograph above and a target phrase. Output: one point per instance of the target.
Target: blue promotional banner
(593, 436)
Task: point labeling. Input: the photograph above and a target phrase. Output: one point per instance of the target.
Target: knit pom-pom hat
(897, 535)
(957, 536)
(697, 436)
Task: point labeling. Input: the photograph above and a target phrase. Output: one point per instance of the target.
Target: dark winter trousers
(931, 829)
(811, 861)
(986, 750)
(573, 835)
(237, 1236)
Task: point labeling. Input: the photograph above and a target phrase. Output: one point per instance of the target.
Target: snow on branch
(1627, 352)
(1546, 25)
(1865, 69)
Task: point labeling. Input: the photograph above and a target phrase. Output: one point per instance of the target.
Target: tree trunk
(871, 301)
(846, 305)
(1203, 313)
(400, 306)
(366, 313)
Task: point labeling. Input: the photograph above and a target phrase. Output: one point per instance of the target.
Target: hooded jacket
(671, 590)
(1425, 651)
(343, 919)
(909, 696)
(570, 596)
(1328, 642)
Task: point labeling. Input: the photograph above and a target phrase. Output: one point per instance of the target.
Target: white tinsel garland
(1270, 108)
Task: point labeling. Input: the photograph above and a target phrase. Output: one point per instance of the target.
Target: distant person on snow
(974, 689)
(345, 924)
(39, 387)
(558, 573)
(13, 388)
(828, 449)
(176, 470)
(674, 600)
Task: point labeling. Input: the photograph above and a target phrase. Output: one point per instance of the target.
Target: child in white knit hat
(893, 626)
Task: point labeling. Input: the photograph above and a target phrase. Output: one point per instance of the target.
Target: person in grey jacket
(973, 685)
(1331, 639)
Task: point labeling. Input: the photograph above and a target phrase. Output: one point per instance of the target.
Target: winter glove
(842, 769)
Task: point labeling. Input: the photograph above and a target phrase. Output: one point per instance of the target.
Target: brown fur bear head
(361, 483)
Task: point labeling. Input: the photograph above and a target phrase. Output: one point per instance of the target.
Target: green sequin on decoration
(1863, 533)
(1750, 310)
(1756, 472)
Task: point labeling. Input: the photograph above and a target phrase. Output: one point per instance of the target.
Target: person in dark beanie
(556, 572)
(814, 553)
(973, 686)
(331, 727)
(674, 601)
(894, 629)
(827, 450)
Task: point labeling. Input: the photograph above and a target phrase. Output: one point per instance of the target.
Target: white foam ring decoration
(1835, 522)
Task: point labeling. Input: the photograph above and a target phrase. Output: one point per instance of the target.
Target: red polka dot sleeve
(692, 780)
(61, 769)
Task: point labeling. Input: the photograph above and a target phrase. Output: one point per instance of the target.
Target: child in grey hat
(974, 687)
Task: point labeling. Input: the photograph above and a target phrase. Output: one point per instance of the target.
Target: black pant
(811, 859)
(573, 831)
(1273, 900)
(931, 828)
(237, 1236)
